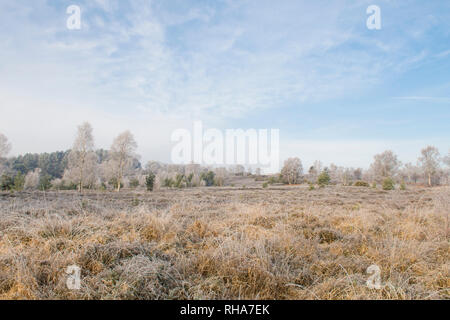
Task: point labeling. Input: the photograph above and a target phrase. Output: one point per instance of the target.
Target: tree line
(84, 167)
(430, 169)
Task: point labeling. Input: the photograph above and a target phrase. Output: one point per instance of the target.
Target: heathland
(279, 242)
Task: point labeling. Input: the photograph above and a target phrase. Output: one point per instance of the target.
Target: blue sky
(336, 90)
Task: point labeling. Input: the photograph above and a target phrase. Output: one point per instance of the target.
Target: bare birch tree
(122, 153)
(385, 165)
(82, 158)
(429, 162)
(292, 170)
(32, 179)
(412, 172)
(315, 170)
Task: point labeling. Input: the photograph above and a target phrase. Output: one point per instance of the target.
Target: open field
(226, 243)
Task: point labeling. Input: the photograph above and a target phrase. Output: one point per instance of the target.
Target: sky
(337, 91)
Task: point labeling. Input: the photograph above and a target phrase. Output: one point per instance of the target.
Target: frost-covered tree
(32, 179)
(346, 176)
(318, 166)
(292, 170)
(334, 173)
(82, 158)
(155, 166)
(357, 174)
(315, 170)
(411, 172)
(429, 162)
(385, 165)
(122, 154)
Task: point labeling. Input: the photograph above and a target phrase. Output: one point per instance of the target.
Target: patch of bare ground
(226, 243)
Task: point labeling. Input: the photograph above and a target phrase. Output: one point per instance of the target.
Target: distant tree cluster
(84, 167)
(386, 170)
(78, 168)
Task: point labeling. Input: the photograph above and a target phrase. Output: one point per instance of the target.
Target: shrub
(168, 182)
(19, 181)
(388, 184)
(360, 183)
(179, 180)
(135, 202)
(272, 180)
(59, 184)
(208, 177)
(150, 181)
(374, 185)
(311, 186)
(6, 183)
(265, 185)
(44, 182)
(323, 179)
(134, 183)
(72, 186)
(403, 186)
(189, 179)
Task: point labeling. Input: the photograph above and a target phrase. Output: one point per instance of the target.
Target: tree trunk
(120, 174)
(81, 171)
(429, 179)
(80, 188)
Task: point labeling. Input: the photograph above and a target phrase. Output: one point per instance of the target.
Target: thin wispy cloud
(430, 99)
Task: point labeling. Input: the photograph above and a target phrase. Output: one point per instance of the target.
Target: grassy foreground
(226, 243)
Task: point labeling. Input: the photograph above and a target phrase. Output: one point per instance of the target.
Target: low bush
(361, 184)
(323, 179)
(134, 183)
(150, 181)
(403, 186)
(388, 184)
(6, 183)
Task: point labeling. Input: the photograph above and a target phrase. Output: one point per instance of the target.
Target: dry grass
(222, 243)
